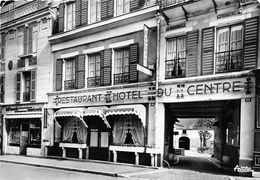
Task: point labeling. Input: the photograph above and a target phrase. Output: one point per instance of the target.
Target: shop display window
(35, 133)
(14, 134)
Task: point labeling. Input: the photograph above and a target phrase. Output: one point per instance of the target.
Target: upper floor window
(122, 7)
(3, 46)
(229, 48)
(95, 11)
(70, 73)
(11, 34)
(69, 82)
(94, 70)
(26, 86)
(121, 74)
(27, 38)
(175, 57)
(70, 16)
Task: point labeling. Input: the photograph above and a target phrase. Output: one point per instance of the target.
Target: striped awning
(23, 116)
(138, 110)
(97, 111)
(71, 112)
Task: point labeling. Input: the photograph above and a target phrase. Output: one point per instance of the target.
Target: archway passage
(208, 130)
(184, 142)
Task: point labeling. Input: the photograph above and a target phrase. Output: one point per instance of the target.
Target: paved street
(11, 171)
(200, 164)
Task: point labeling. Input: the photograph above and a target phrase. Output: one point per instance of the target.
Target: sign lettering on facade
(174, 91)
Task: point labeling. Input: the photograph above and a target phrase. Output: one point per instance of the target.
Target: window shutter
(133, 61)
(59, 74)
(84, 12)
(105, 67)
(258, 111)
(25, 34)
(134, 5)
(107, 9)
(80, 71)
(2, 85)
(207, 51)
(30, 33)
(104, 9)
(33, 85)
(2, 45)
(18, 87)
(251, 42)
(78, 13)
(110, 11)
(61, 17)
(192, 53)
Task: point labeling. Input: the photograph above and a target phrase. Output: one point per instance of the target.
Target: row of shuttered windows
(100, 66)
(236, 49)
(72, 15)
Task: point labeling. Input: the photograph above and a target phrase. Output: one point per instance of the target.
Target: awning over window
(97, 111)
(71, 112)
(23, 116)
(138, 110)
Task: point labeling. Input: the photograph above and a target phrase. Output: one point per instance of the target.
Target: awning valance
(23, 116)
(97, 111)
(71, 112)
(138, 110)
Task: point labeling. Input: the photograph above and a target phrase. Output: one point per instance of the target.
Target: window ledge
(27, 55)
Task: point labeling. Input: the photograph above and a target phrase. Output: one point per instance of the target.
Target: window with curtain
(121, 73)
(94, 70)
(122, 7)
(128, 130)
(95, 11)
(70, 72)
(74, 131)
(70, 16)
(229, 48)
(175, 57)
(27, 86)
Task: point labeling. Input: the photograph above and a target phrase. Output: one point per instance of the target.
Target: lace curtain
(72, 125)
(125, 124)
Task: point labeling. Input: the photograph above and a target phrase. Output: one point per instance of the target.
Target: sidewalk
(87, 166)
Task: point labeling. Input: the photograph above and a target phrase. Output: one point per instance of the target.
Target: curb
(65, 168)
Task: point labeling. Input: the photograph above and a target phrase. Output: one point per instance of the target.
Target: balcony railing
(229, 61)
(21, 63)
(121, 78)
(165, 3)
(69, 84)
(175, 68)
(26, 96)
(94, 81)
(32, 61)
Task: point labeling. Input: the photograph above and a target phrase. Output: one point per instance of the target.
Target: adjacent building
(209, 63)
(26, 74)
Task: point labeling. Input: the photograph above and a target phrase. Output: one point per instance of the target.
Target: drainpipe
(158, 18)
